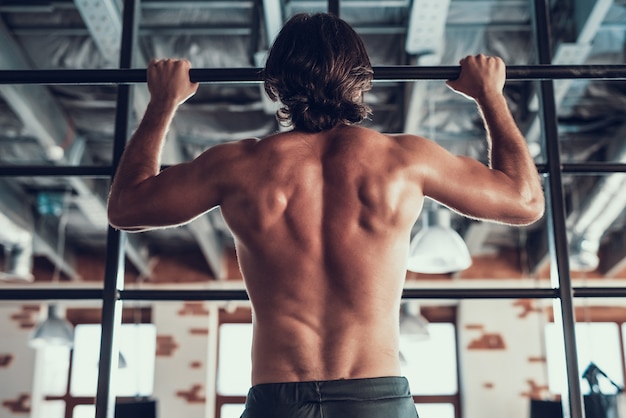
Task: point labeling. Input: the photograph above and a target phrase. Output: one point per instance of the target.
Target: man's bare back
(323, 251)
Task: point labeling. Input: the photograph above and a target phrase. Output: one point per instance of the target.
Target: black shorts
(381, 397)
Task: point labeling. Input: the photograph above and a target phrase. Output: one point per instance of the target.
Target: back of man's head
(318, 68)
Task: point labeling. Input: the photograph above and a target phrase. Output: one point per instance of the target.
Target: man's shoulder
(235, 147)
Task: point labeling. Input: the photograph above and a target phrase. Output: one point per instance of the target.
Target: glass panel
(513, 256)
(588, 110)
(595, 219)
(52, 231)
(52, 409)
(235, 366)
(73, 126)
(231, 410)
(590, 120)
(430, 364)
(597, 343)
(435, 410)
(54, 362)
(135, 374)
(84, 411)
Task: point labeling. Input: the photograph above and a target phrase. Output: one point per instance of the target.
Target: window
(69, 377)
(430, 366)
(597, 342)
(135, 374)
(234, 363)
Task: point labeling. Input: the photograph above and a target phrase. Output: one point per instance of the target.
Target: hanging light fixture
(53, 331)
(437, 248)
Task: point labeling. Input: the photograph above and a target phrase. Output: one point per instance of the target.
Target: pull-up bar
(253, 75)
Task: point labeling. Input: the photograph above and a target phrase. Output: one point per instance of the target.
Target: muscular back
(322, 225)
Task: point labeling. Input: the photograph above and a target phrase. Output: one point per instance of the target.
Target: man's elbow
(532, 210)
(115, 220)
(120, 219)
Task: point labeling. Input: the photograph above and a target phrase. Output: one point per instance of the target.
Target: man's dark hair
(318, 68)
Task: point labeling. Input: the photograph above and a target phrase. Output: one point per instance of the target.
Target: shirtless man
(322, 214)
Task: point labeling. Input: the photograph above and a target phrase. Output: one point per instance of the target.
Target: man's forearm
(508, 150)
(140, 160)
(142, 155)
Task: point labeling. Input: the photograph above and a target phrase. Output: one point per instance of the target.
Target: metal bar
(187, 295)
(253, 75)
(588, 168)
(557, 230)
(516, 293)
(240, 294)
(599, 292)
(114, 269)
(50, 294)
(456, 293)
(49, 171)
(333, 7)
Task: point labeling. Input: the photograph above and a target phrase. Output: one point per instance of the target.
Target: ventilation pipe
(18, 250)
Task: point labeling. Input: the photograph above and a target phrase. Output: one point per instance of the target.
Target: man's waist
(371, 388)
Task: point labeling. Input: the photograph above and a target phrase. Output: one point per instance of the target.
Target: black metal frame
(253, 75)
(557, 230)
(113, 293)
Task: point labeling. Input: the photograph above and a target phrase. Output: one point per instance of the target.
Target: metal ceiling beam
(197, 4)
(426, 29)
(103, 20)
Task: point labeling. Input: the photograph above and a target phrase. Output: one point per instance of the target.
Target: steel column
(114, 270)
(557, 230)
(333, 7)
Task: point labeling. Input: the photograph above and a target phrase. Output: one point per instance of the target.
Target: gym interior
(520, 322)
